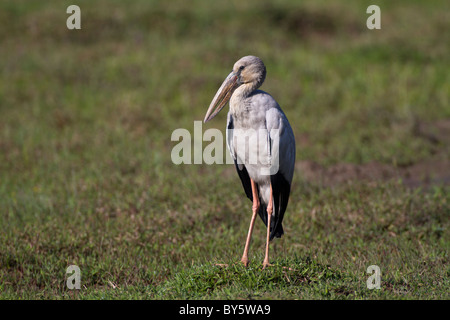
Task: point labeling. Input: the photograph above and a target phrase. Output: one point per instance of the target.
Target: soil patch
(422, 174)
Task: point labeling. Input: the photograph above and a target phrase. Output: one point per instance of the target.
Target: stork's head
(248, 72)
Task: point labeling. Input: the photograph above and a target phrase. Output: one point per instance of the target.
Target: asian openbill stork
(258, 129)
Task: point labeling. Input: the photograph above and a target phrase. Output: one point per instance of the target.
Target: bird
(261, 143)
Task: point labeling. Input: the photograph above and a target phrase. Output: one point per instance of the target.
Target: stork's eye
(241, 67)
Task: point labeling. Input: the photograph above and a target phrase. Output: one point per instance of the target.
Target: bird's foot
(289, 269)
(245, 261)
(266, 264)
(221, 265)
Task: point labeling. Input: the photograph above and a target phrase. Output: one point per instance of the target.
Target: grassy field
(86, 177)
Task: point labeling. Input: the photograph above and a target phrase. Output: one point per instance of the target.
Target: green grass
(86, 176)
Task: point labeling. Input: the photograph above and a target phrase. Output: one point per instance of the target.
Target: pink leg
(255, 208)
(269, 217)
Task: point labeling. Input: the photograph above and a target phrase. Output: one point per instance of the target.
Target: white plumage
(261, 142)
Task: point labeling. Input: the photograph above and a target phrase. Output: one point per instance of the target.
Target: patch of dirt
(425, 173)
(422, 174)
(312, 22)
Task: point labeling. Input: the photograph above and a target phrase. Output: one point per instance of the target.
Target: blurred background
(86, 118)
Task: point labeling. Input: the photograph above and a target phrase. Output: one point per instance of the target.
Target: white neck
(242, 92)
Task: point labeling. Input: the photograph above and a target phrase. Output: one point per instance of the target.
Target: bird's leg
(255, 208)
(269, 216)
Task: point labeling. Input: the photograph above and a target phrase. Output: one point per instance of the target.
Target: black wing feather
(281, 190)
(245, 179)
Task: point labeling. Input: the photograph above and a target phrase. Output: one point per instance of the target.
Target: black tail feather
(276, 228)
(281, 190)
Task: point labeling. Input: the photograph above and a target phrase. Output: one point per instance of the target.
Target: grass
(86, 176)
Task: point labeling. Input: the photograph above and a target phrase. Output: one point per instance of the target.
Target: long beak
(222, 96)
